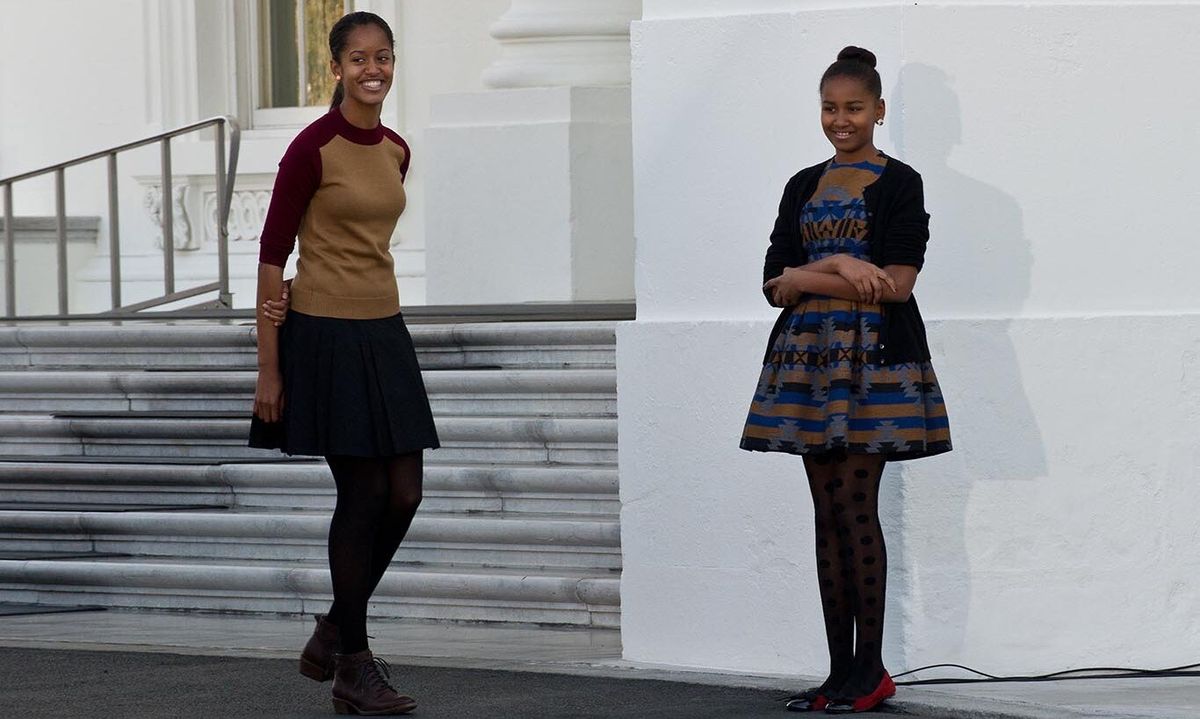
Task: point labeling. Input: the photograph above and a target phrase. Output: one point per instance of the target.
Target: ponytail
(338, 93)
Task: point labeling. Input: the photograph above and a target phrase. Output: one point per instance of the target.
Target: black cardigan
(897, 230)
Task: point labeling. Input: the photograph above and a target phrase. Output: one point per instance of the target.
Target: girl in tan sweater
(339, 378)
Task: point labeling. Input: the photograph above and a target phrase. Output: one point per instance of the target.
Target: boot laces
(376, 672)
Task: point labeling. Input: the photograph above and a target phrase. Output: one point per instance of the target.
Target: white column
(563, 42)
(530, 193)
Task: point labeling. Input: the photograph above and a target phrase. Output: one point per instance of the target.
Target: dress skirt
(823, 390)
(350, 388)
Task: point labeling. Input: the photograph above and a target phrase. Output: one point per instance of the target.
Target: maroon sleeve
(298, 179)
(394, 137)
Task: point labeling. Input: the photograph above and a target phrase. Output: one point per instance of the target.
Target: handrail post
(60, 212)
(10, 255)
(114, 233)
(167, 215)
(223, 295)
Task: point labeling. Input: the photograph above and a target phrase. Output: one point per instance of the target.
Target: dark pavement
(37, 683)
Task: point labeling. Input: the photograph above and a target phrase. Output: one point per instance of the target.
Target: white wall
(530, 196)
(66, 90)
(1060, 309)
(446, 48)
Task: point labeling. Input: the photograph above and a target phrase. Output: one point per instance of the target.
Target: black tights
(851, 567)
(376, 501)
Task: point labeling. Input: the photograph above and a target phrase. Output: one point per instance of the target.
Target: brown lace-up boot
(360, 686)
(316, 661)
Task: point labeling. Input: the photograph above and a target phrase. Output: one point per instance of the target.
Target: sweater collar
(356, 134)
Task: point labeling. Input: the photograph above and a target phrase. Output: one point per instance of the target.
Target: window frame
(271, 118)
(282, 123)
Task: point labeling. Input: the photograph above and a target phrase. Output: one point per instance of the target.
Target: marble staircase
(125, 480)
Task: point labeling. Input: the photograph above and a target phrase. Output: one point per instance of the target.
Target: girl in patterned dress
(846, 381)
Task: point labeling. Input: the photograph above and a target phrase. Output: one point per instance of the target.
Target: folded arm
(847, 278)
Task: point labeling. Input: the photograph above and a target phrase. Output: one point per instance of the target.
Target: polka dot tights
(851, 567)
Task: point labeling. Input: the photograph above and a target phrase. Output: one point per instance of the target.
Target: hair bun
(858, 54)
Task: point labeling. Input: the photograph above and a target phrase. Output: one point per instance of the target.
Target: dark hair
(339, 35)
(858, 63)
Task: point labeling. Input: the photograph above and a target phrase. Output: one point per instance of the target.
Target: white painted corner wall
(1064, 323)
(530, 196)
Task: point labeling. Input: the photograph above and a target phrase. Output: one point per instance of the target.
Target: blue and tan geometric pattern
(822, 388)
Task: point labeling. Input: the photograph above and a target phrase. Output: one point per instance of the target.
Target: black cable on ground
(1187, 670)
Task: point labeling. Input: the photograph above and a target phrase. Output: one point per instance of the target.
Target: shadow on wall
(978, 265)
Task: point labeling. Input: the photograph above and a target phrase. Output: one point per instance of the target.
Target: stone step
(464, 439)
(206, 345)
(562, 489)
(200, 345)
(413, 592)
(537, 392)
(512, 344)
(534, 542)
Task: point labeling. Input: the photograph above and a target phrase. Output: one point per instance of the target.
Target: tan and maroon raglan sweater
(340, 188)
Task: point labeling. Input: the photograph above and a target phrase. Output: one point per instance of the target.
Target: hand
(785, 289)
(268, 395)
(276, 311)
(867, 278)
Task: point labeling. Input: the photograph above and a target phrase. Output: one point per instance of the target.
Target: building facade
(1053, 138)
(553, 76)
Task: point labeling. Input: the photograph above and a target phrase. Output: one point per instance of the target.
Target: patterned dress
(821, 389)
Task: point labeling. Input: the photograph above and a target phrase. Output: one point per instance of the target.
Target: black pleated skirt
(350, 388)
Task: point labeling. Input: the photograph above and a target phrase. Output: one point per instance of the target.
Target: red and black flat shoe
(809, 700)
(885, 690)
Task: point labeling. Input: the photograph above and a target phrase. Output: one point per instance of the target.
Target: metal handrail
(224, 184)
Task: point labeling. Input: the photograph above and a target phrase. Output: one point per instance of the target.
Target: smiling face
(848, 115)
(365, 66)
